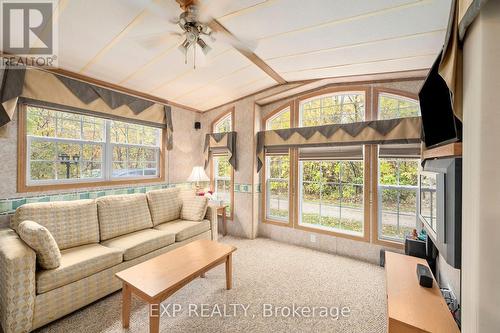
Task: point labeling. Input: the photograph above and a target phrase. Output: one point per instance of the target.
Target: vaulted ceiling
(299, 40)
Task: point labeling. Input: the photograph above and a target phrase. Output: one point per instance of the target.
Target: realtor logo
(28, 30)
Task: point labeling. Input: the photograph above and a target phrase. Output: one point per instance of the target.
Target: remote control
(424, 276)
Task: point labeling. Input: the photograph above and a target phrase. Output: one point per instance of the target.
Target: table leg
(202, 275)
(126, 299)
(229, 272)
(154, 317)
(224, 225)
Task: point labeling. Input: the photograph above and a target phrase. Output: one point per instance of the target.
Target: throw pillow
(194, 208)
(42, 242)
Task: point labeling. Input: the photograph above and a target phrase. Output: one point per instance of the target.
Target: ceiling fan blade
(157, 40)
(210, 9)
(223, 35)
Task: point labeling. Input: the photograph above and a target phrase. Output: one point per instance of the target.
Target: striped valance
(221, 143)
(404, 130)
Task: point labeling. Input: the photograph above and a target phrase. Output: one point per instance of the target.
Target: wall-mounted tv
(440, 206)
(440, 126)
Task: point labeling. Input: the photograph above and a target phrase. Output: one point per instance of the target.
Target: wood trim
(276, 111)
(212, 187)
(449, 150)
(374, 209)
(22, 187)
(336, 89)
(223, 115)
(249, 54)
(290, 195)
(342, 81)
(378, 90)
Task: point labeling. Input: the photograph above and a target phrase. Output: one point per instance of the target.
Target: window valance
(221, 142)
(56, 90)
(404, 130)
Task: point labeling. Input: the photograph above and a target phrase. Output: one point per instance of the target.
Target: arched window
(280, 120)
(225, 124)
(392, 106)
(333, 108)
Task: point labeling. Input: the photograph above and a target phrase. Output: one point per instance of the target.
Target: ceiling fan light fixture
(204, 46)
(184, 46)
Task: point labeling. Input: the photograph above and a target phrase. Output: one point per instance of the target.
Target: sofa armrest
(214, 220)
(17, 283)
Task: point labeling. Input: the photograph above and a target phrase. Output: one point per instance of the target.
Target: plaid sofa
(97, 238)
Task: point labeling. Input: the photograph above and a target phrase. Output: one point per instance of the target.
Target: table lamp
(198, 175)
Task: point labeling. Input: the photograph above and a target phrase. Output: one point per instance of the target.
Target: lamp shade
(198, 175)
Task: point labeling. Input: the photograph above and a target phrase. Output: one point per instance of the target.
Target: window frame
(214, 123)
(291, 189)
(332, 91)
(23, 185)
(294, 167)
(375, 169)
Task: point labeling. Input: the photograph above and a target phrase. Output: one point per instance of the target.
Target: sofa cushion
(164, 205)
(140, 242)
(40, 239)
(123, 214)
(71, 223)
(184, 229)
(194, 207)
(77, 263)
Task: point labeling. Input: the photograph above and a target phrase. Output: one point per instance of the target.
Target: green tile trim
(9, 206)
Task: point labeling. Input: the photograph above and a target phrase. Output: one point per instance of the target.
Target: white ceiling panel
(226, 63)
(421, 17)
(87, 26)
(242, 91)
(421, 44)
(272, 18)
(375, 67)
(227, 85)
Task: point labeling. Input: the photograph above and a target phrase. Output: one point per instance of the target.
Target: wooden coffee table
(157, 279)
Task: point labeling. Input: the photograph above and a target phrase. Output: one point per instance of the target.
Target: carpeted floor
(265, 272)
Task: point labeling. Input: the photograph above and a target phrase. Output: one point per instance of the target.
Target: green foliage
(335, 109)
(280, 121)
(333, 222)
(391, 107)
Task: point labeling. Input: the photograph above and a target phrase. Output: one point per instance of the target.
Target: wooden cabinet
(411, 307)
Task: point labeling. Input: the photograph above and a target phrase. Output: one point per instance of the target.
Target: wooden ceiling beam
(249, 54)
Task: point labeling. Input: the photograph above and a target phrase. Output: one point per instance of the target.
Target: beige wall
(481, 174)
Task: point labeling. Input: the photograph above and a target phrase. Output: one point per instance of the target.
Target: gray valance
(11, 88)
(170, 127)
(88, 93)
(404, 130)
(221, 142)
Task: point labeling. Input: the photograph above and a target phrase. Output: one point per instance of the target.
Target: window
(225, 124)
(277, 187)
(397, 197)
(64, 147)
(336, 108)
(393, 106)
(222, 173)
(331, 195)
(279, 120)
(222, 181)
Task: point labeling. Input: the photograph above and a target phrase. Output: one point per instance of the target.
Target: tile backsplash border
(9, 206)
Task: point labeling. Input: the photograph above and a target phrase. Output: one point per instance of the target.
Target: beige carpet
(265, 272)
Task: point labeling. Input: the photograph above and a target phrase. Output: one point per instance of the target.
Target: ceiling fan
(198, 26)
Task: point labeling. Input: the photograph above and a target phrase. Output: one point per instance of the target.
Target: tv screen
(440, 126)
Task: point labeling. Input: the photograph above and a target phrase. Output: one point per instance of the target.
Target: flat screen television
(440, 206)
(439, 124)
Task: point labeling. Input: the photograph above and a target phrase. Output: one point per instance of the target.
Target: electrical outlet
(313, 238)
